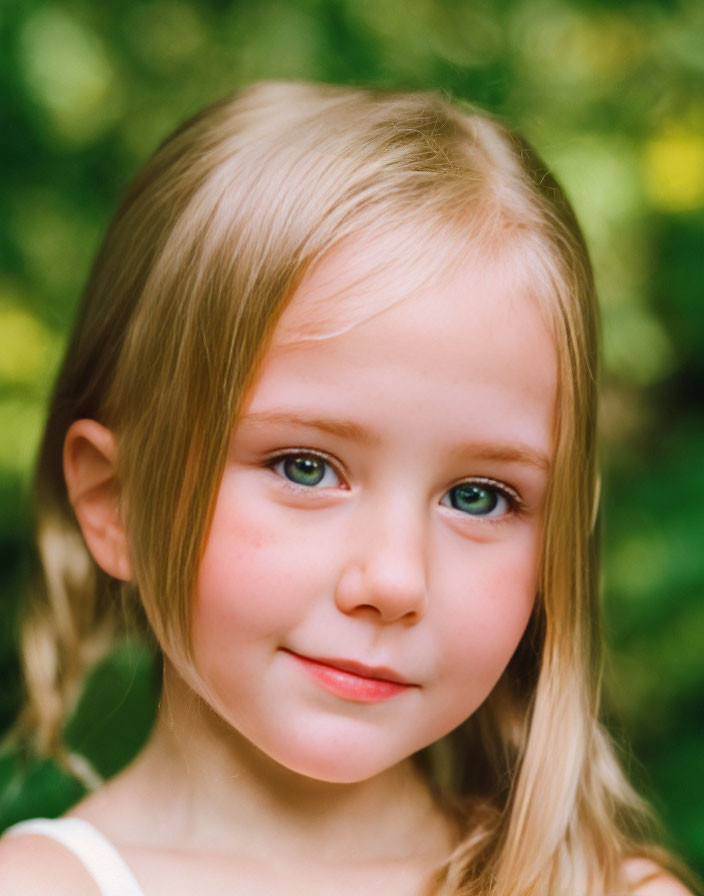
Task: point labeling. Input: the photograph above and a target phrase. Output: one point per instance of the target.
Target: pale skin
(382, 504)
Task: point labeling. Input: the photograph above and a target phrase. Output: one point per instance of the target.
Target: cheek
(489, 618)
(254, 578)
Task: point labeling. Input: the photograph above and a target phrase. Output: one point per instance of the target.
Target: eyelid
(515, 502)
(513, 498)
(503, 488)
(272, 459)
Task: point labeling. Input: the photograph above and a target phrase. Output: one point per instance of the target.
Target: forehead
(438, 346)
(367, 275)
(362, 276)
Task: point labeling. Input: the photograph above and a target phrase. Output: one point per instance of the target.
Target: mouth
(352, 680)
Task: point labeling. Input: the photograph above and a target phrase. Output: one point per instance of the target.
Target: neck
(215, 789)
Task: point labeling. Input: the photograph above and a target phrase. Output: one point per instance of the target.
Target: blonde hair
(202, 256)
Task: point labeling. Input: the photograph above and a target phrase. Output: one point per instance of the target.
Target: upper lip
(382, 673)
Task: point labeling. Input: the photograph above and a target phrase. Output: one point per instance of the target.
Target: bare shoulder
(651, 880)
(33, 865)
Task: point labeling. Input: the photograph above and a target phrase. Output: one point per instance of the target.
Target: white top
(93, 849)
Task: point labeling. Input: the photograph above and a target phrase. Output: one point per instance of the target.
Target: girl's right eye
(306, 469)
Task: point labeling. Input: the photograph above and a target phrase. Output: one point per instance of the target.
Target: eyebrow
(346, 429)
(352, 431)
(513, 454)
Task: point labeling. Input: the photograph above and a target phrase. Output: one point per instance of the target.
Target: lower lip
(350, 686)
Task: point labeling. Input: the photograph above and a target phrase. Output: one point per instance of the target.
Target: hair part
(207, 248)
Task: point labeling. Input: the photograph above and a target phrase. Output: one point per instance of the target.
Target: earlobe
(90, 455)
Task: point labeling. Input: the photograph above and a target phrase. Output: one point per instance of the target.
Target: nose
(386, 572)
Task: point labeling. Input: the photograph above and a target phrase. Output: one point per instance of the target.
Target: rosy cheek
(490, 617)
(501, 618)
(251, 572)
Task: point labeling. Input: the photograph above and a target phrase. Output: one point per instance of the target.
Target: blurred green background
(612, 94)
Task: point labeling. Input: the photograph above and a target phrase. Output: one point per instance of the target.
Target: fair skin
(371, 566)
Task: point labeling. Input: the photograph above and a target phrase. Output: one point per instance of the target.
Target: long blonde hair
(203, 254)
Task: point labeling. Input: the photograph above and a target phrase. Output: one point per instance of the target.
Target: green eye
(307, 470)
(476, 499)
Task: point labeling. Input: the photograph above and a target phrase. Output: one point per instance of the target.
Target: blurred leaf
(68, 70)
(28, 349)
(673, 165)
(31, 787)
(116, 711)
(21, 422)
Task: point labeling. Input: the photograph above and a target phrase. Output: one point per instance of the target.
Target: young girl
(328, 415)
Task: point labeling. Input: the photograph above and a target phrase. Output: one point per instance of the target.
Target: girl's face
(375, 549)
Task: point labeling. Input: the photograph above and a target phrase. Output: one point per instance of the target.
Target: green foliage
(613, 96)
(32, 787)
(110, 724)
(116, 711)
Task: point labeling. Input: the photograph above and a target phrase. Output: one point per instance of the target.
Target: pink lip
(354, 681)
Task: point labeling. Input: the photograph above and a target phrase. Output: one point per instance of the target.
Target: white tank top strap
(93, 849)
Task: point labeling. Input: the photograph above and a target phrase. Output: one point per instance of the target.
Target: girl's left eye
(307, 470)
(480, 499)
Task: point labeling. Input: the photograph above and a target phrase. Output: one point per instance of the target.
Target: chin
(333, 769)
(333, 759)
(335, 751)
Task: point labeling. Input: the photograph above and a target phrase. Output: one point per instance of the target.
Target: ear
(90, 455)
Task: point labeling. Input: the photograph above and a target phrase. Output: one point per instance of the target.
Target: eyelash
(273, 461)
(515, 504)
